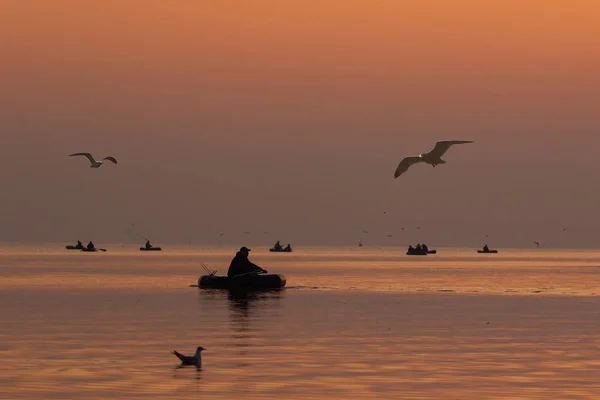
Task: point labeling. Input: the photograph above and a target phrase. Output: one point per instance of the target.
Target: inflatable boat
(487, 252)
(151, 249)
(249, 282)
(420, 253)
(273, 250)
(69, 247)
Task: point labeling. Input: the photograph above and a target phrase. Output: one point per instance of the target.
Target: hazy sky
(291, 116)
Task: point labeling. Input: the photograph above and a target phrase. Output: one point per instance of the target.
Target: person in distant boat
(425, 248)
(90, 246)
(288, 248)
(79, 245)
(486, 248)
(411, 249)
(148, 245)
(241, 265)
(418, 249)
(278, 246)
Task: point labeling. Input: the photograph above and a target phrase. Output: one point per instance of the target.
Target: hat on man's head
(244, 249)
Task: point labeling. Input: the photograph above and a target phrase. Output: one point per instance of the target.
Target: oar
(249, 273)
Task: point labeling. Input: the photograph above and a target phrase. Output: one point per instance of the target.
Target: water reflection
(247, 314)
(250, 314)
(241, 302)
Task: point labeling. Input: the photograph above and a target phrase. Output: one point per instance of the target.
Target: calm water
(352, 323)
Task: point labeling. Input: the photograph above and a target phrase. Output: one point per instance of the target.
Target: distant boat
(415, 252)
(151, 249)
(286, 250)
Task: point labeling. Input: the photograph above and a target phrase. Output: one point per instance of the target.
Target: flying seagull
(434, 157)
(95, 164)
(196, 359)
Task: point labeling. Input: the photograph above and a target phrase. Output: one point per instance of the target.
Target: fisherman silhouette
(241, 265)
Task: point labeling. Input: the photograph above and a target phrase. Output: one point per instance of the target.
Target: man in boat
(79, 245)
(288, 248)
(424, 248)
(90, 246)
(486, 248)
(411, 249)
(277, 246)
(241, 265)
(419, 249)
(148, 245)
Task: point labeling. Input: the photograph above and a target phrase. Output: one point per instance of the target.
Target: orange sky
(291, 117)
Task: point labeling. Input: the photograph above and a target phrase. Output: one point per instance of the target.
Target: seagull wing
(87, 155)
(405, 165)
(442, 147)
(114, 160)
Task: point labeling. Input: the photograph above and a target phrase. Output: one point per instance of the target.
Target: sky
(291, 117)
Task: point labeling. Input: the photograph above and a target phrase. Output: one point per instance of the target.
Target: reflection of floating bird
(196, 359)
(432, 158)
(94, 163)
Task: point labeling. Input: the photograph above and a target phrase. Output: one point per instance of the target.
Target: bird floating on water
(196, 359)
(93, 161)
(433, 158)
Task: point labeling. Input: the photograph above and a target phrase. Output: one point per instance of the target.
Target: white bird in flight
(95, 164)
(434, 157)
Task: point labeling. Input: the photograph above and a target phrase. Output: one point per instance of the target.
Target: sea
(352, 323)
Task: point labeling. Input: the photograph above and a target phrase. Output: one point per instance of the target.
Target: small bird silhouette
(93, 162)
(196, 359)
(537, 244)
(432, 158)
